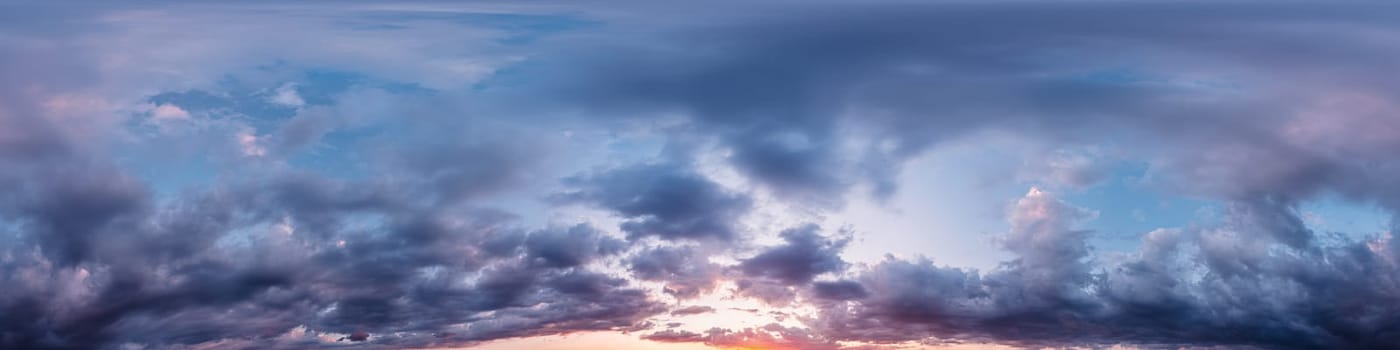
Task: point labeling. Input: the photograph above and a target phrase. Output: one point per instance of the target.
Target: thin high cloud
(438, 175)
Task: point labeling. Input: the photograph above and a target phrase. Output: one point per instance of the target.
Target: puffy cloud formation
(251, 264)
(805, 255)
(378, 176)
(1231, 285)
(667, 201)
(686, 271)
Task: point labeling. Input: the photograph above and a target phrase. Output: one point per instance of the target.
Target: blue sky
(670, 175)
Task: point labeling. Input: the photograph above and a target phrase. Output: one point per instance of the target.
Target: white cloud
(287, 95)
(250, 144)
(165, 112)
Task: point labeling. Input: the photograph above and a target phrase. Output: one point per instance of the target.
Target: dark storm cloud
(91, 259)
(775, 275)
(669, 201)
(575, 246)
(784, 92)
(839, 290)
(182, 289)
(1275, 217)
(805, 255)
(72, 210)
(1225, 286)
(1236, 102)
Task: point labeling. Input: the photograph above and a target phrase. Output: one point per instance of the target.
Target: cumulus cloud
(165, 112)
(215, 267)
(1230, 285)
(805, 255)
(686, 271)
(93, 258)
(384, 176)
(664, 200)
(839, 290)
(287, 95)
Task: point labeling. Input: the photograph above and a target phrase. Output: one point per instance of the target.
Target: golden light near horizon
(620, 341)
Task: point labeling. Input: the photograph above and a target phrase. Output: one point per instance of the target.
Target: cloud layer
(438, 174)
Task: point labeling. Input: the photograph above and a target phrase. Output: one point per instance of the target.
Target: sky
(672, 175)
